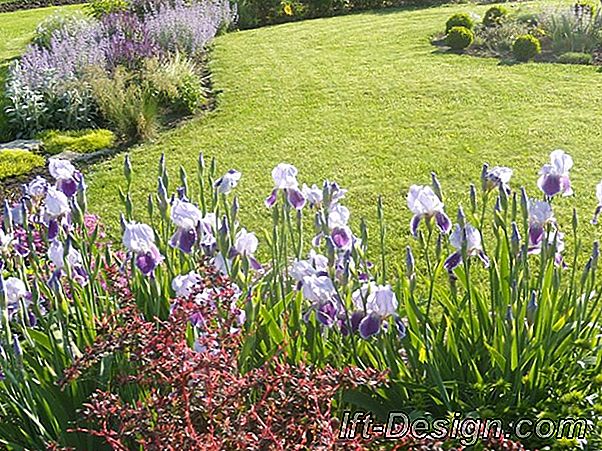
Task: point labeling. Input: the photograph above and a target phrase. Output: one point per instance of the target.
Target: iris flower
(425, 204)
(554, 177)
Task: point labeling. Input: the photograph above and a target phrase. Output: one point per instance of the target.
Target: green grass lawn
(367, 100)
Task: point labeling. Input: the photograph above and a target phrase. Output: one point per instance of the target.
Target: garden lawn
(366, 100)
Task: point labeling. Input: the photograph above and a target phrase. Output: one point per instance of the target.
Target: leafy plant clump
(575, 58)
(494, 16)
(80, 141)
(15, 162)
(459, 20)
(459, 38)
(526, 47)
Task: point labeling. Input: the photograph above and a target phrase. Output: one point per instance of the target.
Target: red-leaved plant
(168, 395)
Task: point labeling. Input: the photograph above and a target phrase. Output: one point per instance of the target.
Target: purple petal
(341, 237)
(414, 224)
(356, 319)
(536, 233)
(596, 214)
(443, 222)
(67, 186)
(295, 198)
(551, 185)
(271, 199)
(53, 229)
(187, 240)
(326, 314)
(255, 264)
(483, 258)
(370, 326)
(452, 261)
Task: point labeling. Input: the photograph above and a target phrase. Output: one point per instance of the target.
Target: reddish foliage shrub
(197, 399)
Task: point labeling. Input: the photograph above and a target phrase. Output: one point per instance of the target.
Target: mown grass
(368, 101)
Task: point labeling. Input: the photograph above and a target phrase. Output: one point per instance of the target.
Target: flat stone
(67, 155)
(26, 144)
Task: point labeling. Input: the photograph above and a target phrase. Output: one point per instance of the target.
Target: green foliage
(494, 16)
(80, 141)
(176, 82)
(66, 21)
(15, 162)
(99, 8)
(575, 58)
(498, 40)
(459, 38)
(570, 32)
(126, 102)
(589, 7)
(459, 20)
(526, 47)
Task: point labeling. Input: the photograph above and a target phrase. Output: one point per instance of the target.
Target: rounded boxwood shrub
(14, 162)
(80, 141)
(459, 38)
(526, 47)
(459, 20)
(575, 58)
(494, 16)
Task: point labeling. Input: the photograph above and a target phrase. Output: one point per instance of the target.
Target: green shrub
(459, 38)
(494, 16)
(526, 47)
(99, 8)
(459, 20)
(14, 162)
(575, 58)
(176, 82)
(80, 141)
(127, 103)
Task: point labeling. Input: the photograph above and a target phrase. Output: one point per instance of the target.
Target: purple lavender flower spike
(271, 199)
(295, 198)
(370, 325)
(443, 222)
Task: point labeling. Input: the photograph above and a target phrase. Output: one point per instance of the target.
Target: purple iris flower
(285, 178)
(139, 239)
(319, 290)
(424, 204)
(497, 177)
(554, 176)
(467, 236)
(342, 237)
(245, 245)
(374, 303)
(228, 182)
(66, 176)
(186, 217)
(147, 261)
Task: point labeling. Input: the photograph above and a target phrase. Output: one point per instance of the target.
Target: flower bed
(497, 317)
(566, 34)
(102, 69)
